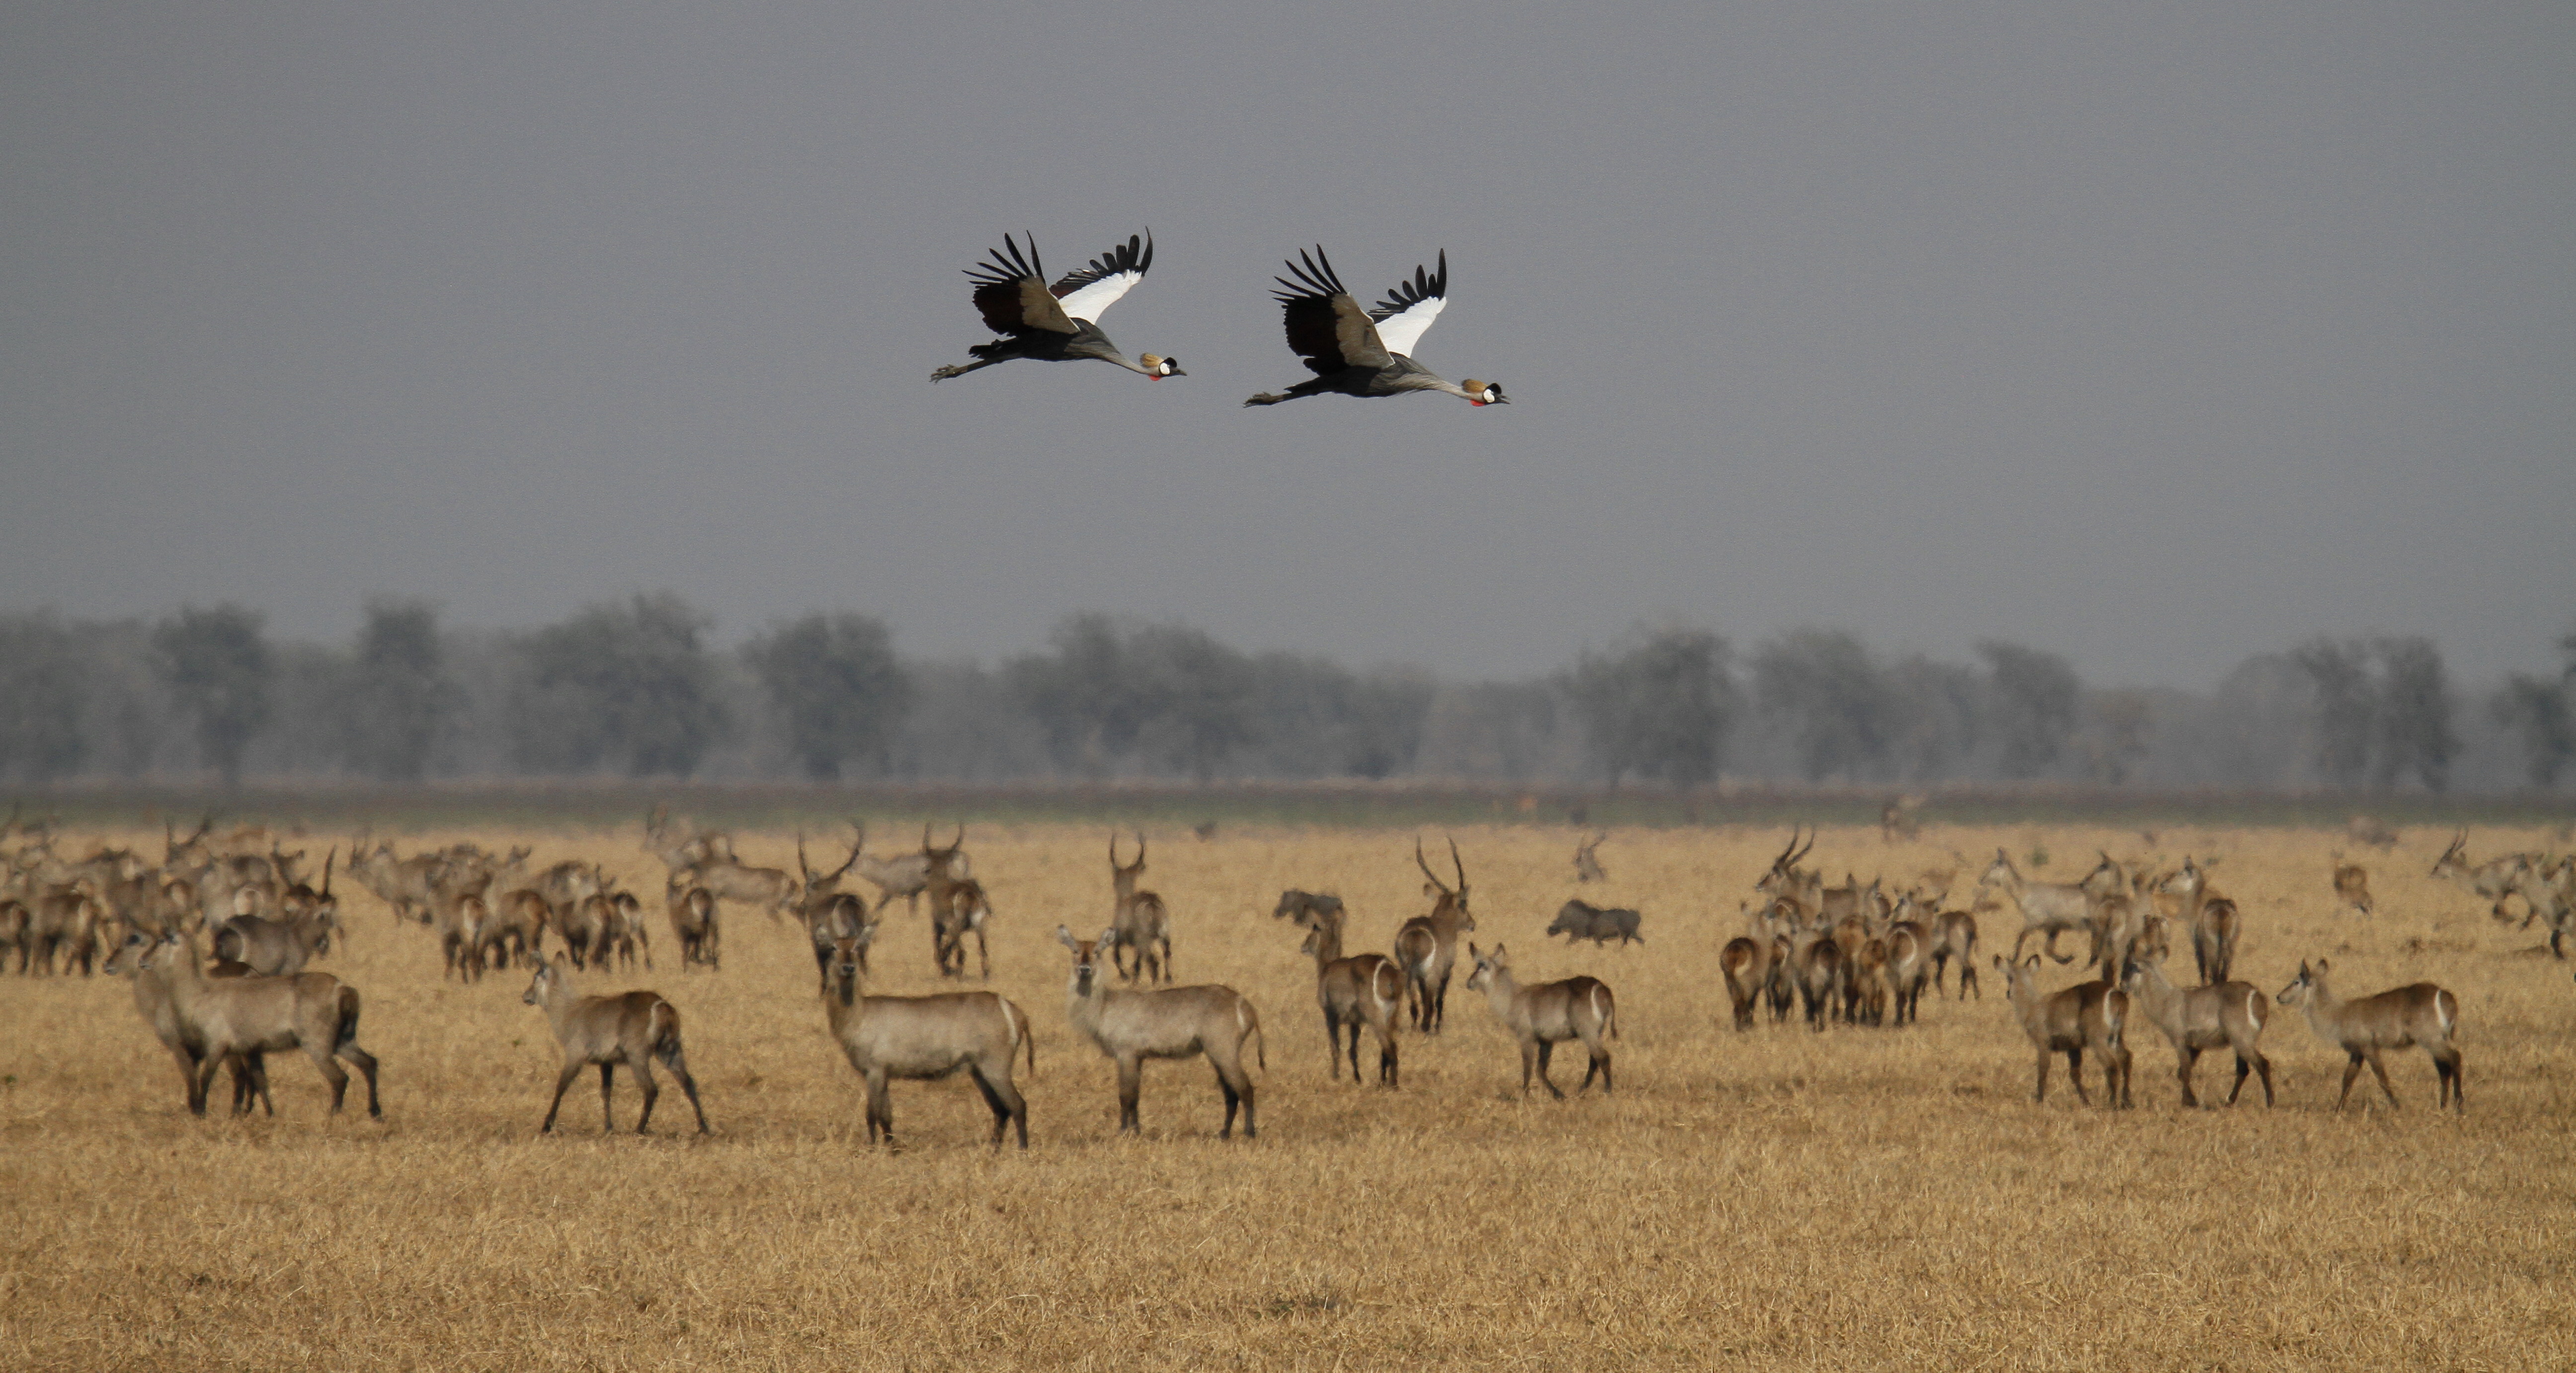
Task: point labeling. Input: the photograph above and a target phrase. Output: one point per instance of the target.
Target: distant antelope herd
(1859, 954)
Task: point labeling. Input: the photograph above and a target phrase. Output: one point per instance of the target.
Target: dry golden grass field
(1859, 1198)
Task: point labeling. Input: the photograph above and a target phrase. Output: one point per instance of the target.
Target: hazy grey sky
(2155, 334)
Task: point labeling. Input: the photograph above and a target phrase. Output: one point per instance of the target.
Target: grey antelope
(960, 910)
(2088, 1015)
(1587, 860)
(186, 1046)
(1426, 947)
(2420, 1013)
(1546, 1015)
(728, 878)
(1362, 990)
(2492, 881)
(681, 845)
(632, 1028)
(241, 1016)
(2050, 908)
(922, 1038)
(829, 914)
(1170, 1022)
(1140, 918)
(300, 933)
(2198, 1019)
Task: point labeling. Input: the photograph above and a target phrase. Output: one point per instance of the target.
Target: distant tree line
(639, 687)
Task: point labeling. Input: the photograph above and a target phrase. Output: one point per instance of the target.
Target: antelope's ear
(1064, 936)
(2321, 965)
(1109, 937)
(2031, 962)
(1472, 954)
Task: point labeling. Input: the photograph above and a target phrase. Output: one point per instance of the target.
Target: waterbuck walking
(2420, 1013)
(632, 1028)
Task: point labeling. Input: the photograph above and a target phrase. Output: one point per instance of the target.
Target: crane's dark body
(1339, 342)
(1032, 318)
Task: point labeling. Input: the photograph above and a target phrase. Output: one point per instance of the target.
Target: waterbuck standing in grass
(922, 1038)
(2198, 1019)
(152, 999)
(2088, 1015)
(1546, 1015)
(1170, 1022)
(240, 1016)
(2417, 1014)
(2050, 908)
(632, 1028)
(693, 921)
(1363, 989)
(1139, 917)
(1426, 947)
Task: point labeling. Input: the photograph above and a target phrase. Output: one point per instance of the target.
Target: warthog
(1580, 919)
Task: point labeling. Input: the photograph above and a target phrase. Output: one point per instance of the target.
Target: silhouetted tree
(218, 668)
(627, 684)
(1658, 706)
(1317, 718)
(1940, 711)
(2033, 696)
(1841, 713)
(2413, 721)
(835, 685)
(44, 681)
(399, 698)
(1161, 695)
(2346, 706)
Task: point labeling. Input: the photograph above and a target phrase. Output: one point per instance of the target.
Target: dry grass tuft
(1859, 1198)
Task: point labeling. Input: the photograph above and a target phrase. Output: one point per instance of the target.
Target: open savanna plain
(1856, 1198)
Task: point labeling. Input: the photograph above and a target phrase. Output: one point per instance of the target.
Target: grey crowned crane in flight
(1056, 323)
(1365, 352)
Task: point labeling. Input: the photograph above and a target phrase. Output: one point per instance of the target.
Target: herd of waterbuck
(1849, 953)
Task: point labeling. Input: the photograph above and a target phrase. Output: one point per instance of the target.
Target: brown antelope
(960, 910)
(1587, 861)
(2351, 886)
(1546, 1015)
(2418, 1014)
(923, 1038)
(1751, 962)
(520, 925)
(1363, 989)
(841, 917)
(2215, 925)
(273, 947)
(633, 1028)
(2088, 1015)
(1867, 1002)
(152, 999)
(2049, 908)
(17, 931)
(627, 932)
(64, 922)
(1169, 1022)
(1816, 964)
(1909, 959)
(1785, 878)
(241, 1016)
(301, 901)
(587, 926)
(2198, 1019)
(693, 921)
(1426, 947)
(816, 889)
(1954, 936)
(2551, 890)
(1140, 918)
(2493, 881)
(1305, 907)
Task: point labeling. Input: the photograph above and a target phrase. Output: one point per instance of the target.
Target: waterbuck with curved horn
(1142, 921)
(1426, 947)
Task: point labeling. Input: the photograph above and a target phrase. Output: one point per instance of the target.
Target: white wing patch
(1401, 330)
(1091, 299)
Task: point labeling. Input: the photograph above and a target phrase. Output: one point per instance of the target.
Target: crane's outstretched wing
(1011, 292)
(1409, 309)
(1325, 326)
(1084, 293)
